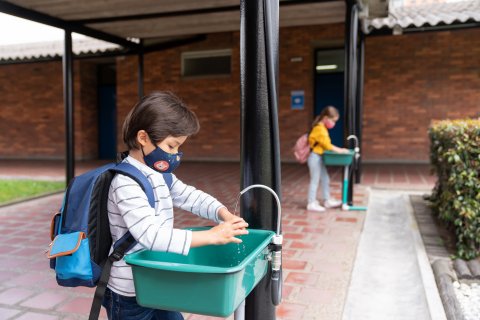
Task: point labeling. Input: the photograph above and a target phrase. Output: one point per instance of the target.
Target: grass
(14, 190)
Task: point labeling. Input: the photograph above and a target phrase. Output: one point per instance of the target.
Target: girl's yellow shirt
(319, 139)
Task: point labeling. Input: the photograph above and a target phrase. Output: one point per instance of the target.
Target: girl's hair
(160, 114)
(330, 112)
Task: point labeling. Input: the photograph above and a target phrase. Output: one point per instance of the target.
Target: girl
(319, 141)
(154, 130)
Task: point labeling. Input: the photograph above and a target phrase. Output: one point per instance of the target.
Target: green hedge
(455, 156)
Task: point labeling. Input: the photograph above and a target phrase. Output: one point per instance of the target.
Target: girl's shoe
(330, 203)
(315, 206)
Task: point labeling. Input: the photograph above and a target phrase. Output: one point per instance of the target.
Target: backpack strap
(134, 173)
(121, 246)
(126, 242)
(168, 179)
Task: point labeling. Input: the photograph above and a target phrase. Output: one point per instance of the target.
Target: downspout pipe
(346, 86)
(359, 119)
(260, 157)
(271, 14)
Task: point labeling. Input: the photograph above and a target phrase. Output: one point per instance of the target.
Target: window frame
(205, 54)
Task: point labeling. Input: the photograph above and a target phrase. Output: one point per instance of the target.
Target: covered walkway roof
(48, 50)
(170, 22)
(124, 21)
(404, 14)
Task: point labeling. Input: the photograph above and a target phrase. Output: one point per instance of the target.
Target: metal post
(68, 102)
(352, 88)
(360, 80)
(260, 155)
(346, 86)
(140, 71)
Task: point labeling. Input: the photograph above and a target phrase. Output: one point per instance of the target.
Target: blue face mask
(162, 161)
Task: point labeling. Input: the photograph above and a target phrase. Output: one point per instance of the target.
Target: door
(329, 92)
(329, 81)
(107, 120)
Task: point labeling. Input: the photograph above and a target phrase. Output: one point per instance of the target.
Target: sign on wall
(297, 99)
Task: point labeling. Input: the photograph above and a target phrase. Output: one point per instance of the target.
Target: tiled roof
(418, 13)
(53, 49)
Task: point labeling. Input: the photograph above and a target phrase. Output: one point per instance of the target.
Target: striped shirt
(128, 209)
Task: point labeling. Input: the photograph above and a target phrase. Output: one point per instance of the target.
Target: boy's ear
(142, 138)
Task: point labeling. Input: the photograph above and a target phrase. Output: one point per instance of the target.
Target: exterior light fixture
(327, 67)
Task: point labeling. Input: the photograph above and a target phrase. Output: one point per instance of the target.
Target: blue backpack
(80, 232)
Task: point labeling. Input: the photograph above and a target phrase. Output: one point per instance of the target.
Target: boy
(154, 130)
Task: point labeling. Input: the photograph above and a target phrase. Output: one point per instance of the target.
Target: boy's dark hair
(160, 114)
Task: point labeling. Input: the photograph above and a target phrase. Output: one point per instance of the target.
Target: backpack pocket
(73, 264)
(54, 230)
(54, 225)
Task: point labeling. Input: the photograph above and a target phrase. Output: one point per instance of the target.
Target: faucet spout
(279, 207)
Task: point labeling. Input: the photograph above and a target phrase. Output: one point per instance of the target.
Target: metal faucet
(279, 207)
(276, 252)
(356, 149)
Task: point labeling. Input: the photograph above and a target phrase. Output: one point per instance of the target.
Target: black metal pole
(346, 72)
(347, 83)
(352, 91)
(353, 72)
(68, 102)
(360, 80)
(260, 157)
(140, 71)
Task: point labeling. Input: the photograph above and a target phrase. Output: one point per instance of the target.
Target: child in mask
(319, 141)
(154, 130)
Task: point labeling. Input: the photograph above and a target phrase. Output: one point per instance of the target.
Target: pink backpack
(301, 150)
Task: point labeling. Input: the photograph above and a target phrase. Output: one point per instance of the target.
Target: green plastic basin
(210, 280)
(331, 158)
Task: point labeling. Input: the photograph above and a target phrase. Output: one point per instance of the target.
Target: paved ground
(319, 249)
(392, 277)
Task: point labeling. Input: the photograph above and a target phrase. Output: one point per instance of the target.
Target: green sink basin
(331, 158)
(210, 280)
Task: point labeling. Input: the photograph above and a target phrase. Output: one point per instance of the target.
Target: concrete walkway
(318, 259)
(392, 278)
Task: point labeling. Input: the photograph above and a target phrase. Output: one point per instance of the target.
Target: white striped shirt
(128, 209)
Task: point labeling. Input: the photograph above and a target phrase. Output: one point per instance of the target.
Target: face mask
(162, 161)
(329, 123)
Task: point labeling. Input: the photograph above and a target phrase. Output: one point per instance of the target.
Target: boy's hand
(227, 216)
(226, 232)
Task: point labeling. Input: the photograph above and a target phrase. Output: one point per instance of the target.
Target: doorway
(329, 81)
(107, 111)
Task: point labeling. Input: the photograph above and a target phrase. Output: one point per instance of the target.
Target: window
(206, 63)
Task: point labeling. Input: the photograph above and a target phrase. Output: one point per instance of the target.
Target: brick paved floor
(319, 249)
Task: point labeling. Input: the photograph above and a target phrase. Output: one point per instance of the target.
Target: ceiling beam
(284, 3)
(173, 43)
(39, 17)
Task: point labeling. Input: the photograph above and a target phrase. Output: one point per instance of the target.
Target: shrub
(455, 156)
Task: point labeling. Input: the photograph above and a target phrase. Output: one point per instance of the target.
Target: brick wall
(32, 117)
(413, 79)
(86, 115)
(216, 100)
(31, 110)
(409, 80)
